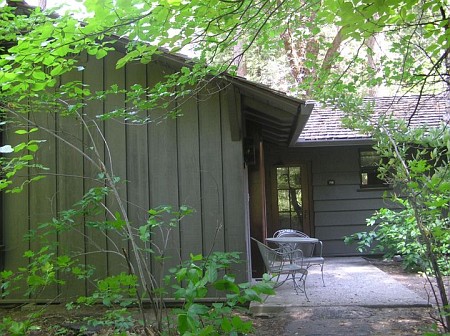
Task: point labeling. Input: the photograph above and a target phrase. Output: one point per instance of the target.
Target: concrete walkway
(349, 282)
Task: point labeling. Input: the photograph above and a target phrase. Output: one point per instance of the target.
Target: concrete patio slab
(350, 281)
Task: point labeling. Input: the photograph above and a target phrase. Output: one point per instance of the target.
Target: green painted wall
(190, 161)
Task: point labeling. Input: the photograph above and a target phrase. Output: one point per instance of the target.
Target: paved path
(358, 300)
(349, 282)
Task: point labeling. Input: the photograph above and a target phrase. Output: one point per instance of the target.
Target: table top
(292, 240)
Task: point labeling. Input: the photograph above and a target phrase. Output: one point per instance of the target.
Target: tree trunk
(298, 52)
(370, 43)
(239, 59)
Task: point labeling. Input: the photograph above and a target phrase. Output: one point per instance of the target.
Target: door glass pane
(283, 178)
(283, 200)
(285, 219)
(289, 194)
(294, 177)
(296, 223)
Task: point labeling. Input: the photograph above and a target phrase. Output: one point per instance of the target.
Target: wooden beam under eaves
(232, 103)
(268, 111)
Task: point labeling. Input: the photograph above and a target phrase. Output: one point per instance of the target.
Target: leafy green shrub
(118, 293)
(195, 278)
(9, 326)
(395, 232)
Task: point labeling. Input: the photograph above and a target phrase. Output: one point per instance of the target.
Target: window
(369, 161)
(289, 194)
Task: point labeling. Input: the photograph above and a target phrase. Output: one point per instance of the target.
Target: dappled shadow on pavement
(359, 299)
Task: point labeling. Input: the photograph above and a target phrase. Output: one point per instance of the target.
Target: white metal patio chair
(311, 254)
(289, 263)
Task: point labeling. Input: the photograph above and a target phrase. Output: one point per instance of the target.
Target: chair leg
(302, 279)
(278, 283)
(294, 281)
(321, 269)
(304, 290)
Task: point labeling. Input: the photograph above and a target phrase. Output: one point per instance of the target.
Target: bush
(195, 278)
(395, 232)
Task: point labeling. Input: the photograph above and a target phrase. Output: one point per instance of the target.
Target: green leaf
(27, 157)
(28, 254)
(57, 70)
(226, 285)
(33, 147)
(39, 75)
(100, 53)
(197, 309)
(184, 324)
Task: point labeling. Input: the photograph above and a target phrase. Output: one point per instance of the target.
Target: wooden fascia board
(304, 112)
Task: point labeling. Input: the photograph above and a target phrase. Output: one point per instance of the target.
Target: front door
(279, 198)
(291, 200)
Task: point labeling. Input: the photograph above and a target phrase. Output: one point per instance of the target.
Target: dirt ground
(357, 321)
(307, 321)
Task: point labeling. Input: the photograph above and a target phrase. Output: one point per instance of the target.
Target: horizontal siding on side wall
(340, 209)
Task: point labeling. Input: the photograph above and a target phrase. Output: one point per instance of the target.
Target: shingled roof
(324, 127)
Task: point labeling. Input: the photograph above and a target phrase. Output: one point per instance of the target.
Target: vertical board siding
(188, 147)
(211, 173)
(115, 158)
(191, 160)
(137, 155)
(15, 218)
(94, 148)
(43, 193)
(163, 178)
(70, 189)
(233, 193)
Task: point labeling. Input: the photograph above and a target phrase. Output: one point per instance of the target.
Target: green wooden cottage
(201, 159)
(250, 160)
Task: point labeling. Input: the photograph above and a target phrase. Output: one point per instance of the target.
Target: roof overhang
(279, 117)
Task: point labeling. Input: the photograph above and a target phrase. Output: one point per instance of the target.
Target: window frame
(373, 182)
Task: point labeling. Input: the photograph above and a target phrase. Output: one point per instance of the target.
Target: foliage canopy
(412, 40)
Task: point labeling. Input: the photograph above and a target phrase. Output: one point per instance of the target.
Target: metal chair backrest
(289, 233)
(272, 259)
(307, 249)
